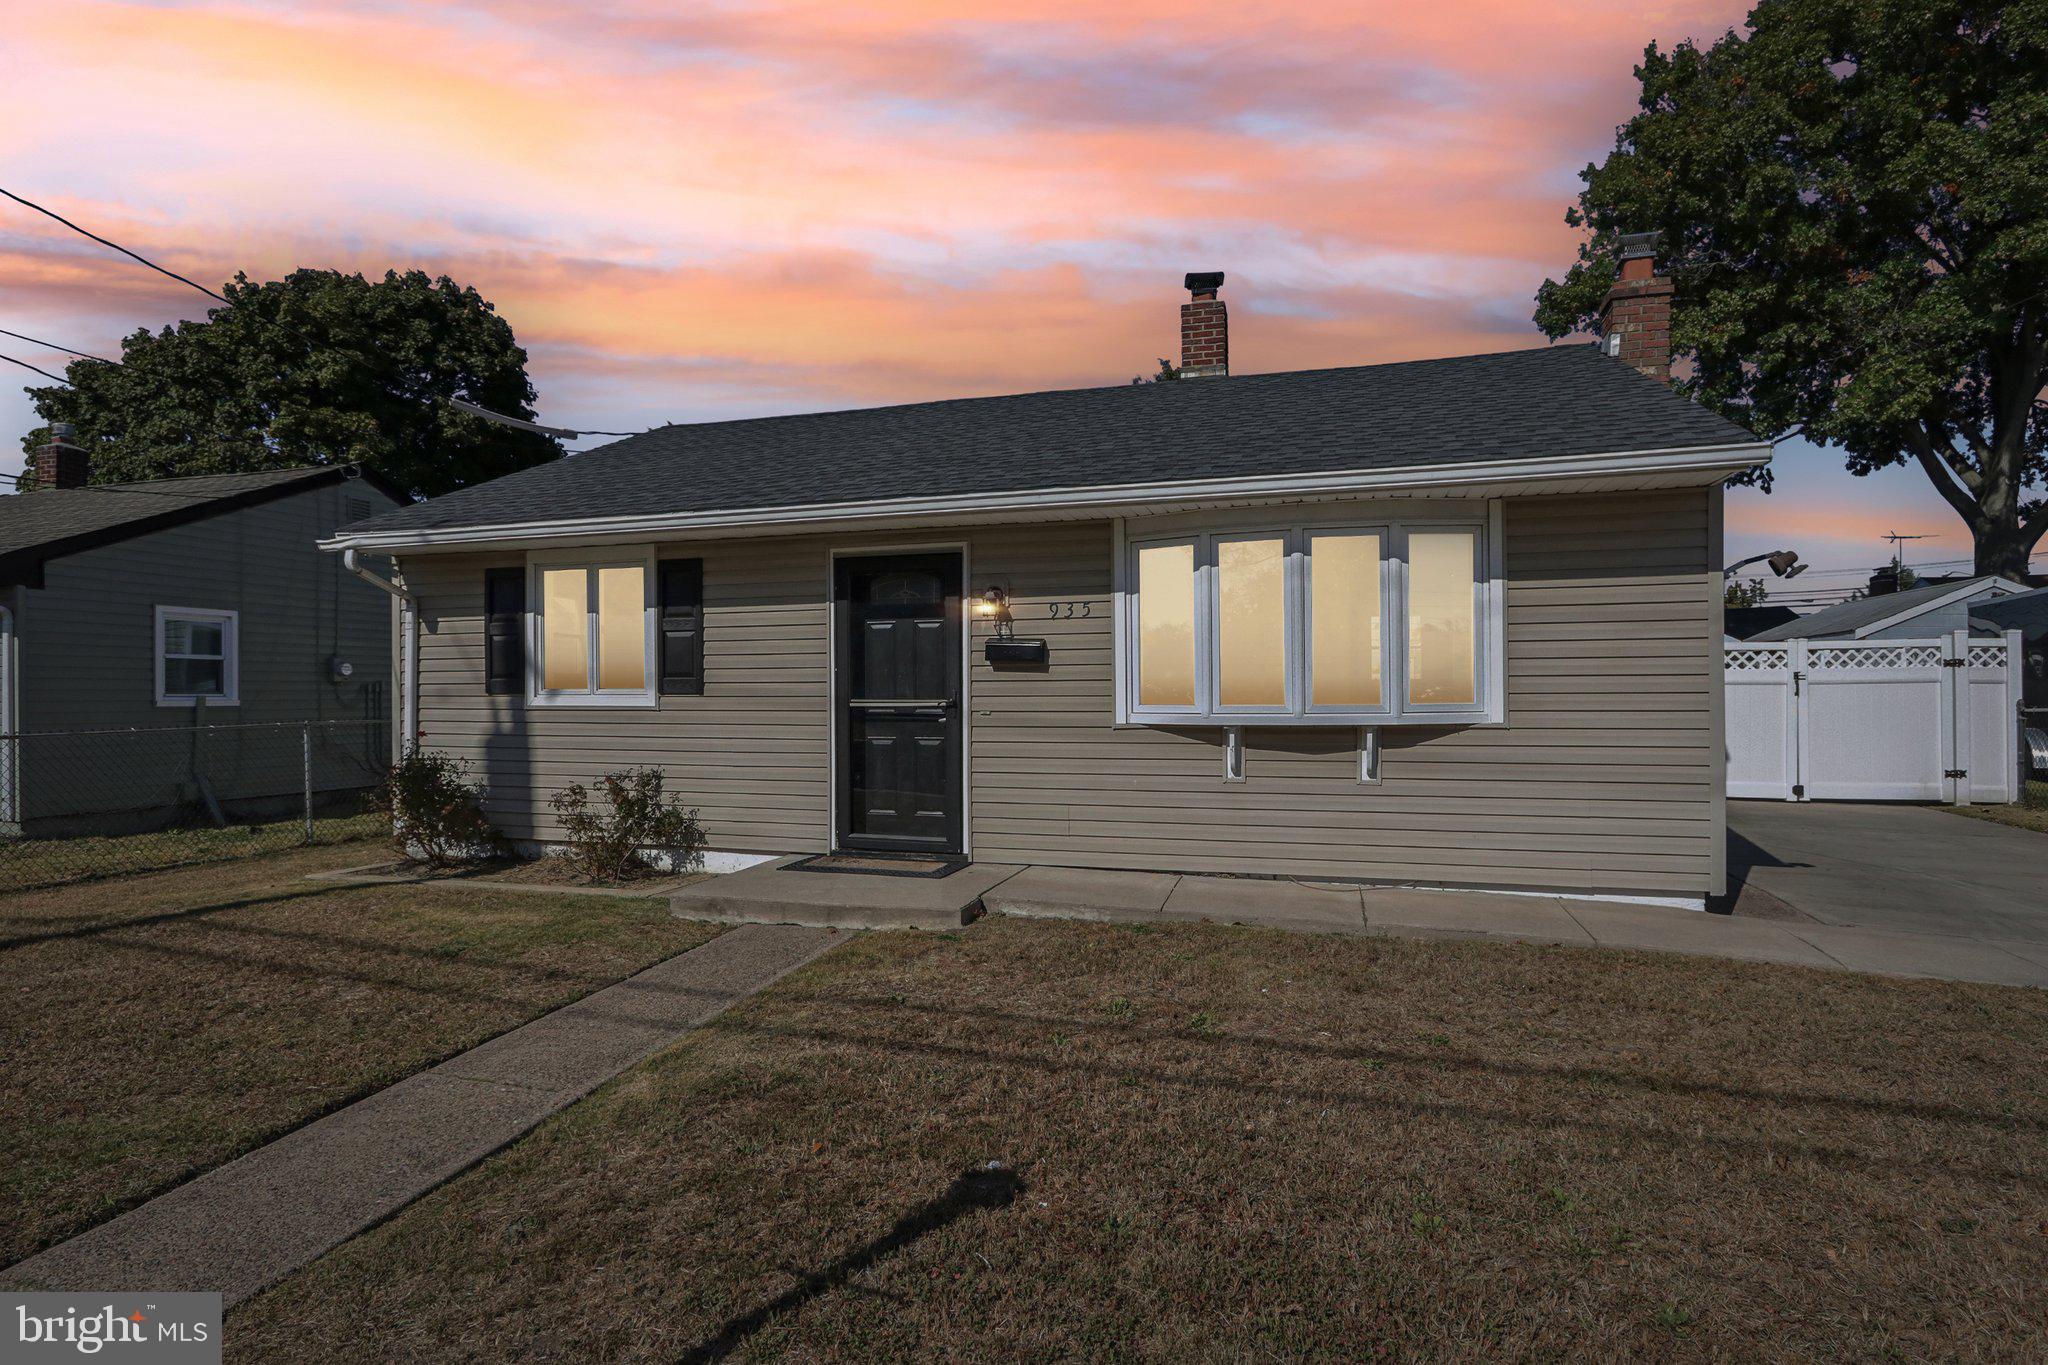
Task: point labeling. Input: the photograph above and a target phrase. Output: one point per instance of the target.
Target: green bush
(436, 812)
(607, 844)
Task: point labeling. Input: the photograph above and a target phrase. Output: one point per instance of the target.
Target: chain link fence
(80, 804)
(2034, 757)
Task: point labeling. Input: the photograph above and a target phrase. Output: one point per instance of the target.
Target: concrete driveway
(1905, 868)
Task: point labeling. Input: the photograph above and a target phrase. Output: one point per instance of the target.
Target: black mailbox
(1010, 650)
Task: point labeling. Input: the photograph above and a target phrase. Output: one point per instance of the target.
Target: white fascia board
(1963, 590)
(1707, 464)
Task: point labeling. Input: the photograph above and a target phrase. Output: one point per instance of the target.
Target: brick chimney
(1635, 320)
(61, 464)
(1204, 328)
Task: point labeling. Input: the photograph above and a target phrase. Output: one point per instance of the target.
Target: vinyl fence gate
(1875, 720)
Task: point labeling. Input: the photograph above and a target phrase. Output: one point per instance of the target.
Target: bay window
(1380, 622)
(593, 631)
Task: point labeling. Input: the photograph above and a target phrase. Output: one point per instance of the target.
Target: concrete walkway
(1333, 907)
(253, 1221)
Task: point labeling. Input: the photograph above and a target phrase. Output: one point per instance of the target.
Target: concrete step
(773, 893)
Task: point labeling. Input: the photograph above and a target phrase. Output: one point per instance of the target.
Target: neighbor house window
(196, 657)
(1312, 624)
(592, 631)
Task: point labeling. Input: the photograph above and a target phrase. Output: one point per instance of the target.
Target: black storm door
(896, 699)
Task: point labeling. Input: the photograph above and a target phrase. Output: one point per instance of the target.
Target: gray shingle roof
(56, 521)
(2027, 611)
(1845, 617)
(1555, 401)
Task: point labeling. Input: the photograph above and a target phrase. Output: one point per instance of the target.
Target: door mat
(879, 865)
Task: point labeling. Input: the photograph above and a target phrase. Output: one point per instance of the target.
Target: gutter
(1707, 463)
(408, 650)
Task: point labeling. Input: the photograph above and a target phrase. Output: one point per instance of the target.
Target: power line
(53, 346)
(471, 408)
(47, 213)
(37, 368)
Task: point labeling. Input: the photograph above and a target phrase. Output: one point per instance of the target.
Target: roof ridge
(1209, 383)
(219, 474)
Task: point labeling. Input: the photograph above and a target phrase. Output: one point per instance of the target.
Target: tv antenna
(1898, 544)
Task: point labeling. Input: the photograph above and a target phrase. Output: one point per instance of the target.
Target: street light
(1784, 563)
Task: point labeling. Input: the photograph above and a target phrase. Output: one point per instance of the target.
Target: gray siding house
(169, 603)
(1915, 614)
(1451, 622)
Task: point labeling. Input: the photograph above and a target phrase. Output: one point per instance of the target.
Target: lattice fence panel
(1838, 658)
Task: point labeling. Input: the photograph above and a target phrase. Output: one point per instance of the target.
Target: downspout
(408, 650)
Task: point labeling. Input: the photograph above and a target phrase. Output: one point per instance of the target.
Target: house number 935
(1067, 611)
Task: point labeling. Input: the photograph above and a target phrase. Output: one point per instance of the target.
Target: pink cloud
(716, 209)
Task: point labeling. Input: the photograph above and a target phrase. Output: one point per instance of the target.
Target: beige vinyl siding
(1604, 778)
(750, 753)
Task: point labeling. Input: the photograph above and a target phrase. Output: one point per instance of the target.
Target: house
(1745, 623)
(2027, 613)
(1915, 614)
(1452, 622)
(159, 604)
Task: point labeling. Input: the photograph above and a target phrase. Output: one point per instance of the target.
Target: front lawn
(27, 864)
(156, 1026)
(1227, 1144)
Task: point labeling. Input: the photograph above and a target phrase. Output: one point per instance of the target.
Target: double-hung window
(197, 657)
(591, 637)
(1374, 622)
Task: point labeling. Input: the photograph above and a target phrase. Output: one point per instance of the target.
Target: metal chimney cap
(1204, 281)
(1635, 245)
(62, 431)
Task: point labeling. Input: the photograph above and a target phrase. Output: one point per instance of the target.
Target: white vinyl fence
(1875, 720)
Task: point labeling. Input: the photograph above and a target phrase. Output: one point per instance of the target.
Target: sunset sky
(730, 209)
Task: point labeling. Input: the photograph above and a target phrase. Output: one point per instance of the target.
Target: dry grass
(2030, 812)
(158, 1025)
(28, 864)
(1241, 1145)
(549, 871)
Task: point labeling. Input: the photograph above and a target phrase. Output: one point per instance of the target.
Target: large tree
(316, 368)
(1853, 196)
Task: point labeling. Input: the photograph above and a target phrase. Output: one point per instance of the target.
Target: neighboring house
(1915, 614)
(2027, 613)
(169, 602)
(1743, 623)
(1450, 622)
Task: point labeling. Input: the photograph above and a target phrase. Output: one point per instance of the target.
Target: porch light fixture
(995, 605)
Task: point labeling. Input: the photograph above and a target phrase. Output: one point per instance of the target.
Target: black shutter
(681, 656)
(504, 632)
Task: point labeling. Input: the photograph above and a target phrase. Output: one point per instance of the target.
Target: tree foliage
(1853, 196)
(316, 368)
(1745, 592)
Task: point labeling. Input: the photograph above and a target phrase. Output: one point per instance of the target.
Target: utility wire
(471, 408)
(53, 346)
(47, 213)
(37, 368)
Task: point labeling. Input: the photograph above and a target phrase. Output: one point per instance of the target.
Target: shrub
(605, 845)
(436, 812)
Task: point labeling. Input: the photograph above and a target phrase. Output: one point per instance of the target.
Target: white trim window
(1375, 621)
(590, 627)
(198, 657)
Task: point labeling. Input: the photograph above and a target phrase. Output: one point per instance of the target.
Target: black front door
(896, 702)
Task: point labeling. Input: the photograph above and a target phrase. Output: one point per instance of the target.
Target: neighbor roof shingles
(1564, 400)
(53, 522)
(1853, 615)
